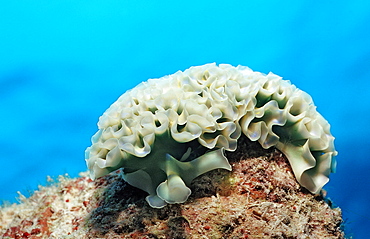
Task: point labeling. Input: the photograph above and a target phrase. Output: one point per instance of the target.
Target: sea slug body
(167, 131)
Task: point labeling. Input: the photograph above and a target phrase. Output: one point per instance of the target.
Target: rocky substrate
(260, 198)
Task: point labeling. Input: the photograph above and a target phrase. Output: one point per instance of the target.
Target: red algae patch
(50, 212)
(260, 198)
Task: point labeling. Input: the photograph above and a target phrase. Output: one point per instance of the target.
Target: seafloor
(260, 198)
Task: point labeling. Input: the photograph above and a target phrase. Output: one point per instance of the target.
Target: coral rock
(259, 198)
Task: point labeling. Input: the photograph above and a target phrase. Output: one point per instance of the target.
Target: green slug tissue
(165, 132)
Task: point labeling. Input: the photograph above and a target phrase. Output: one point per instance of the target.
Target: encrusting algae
(259, 198)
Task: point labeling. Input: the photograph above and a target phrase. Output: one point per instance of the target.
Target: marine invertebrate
(167, 131)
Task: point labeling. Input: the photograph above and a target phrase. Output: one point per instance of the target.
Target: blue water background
(62, 63)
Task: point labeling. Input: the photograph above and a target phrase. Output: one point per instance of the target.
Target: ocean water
(62, 63)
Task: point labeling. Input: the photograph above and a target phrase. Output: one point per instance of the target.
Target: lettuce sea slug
(167, 131)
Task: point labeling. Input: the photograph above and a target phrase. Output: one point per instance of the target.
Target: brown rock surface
(260, 198)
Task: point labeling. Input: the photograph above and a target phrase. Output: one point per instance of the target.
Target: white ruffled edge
(214, 105)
